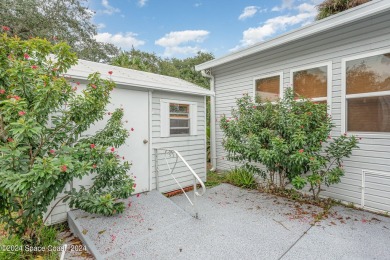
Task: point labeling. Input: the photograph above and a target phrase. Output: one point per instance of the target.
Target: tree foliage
(57, 20)
(290, 138)
(179, 68)
(42, 119)
(331, 7)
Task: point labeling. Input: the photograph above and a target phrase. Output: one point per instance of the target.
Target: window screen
(268, 88)
(179, 119)
(311, 83)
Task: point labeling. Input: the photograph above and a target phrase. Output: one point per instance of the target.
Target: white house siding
(192, 148)
(236, 78)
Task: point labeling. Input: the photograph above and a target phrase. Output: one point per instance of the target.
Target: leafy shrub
(290, 138)
(241, 177)
(42, 120)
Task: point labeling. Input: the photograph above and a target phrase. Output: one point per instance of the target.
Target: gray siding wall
(192, 148)
(236, 78)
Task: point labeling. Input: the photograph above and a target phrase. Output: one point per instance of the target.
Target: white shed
(161, 112)
(340, 49)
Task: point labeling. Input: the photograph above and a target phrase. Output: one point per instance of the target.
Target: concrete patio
(234, 224)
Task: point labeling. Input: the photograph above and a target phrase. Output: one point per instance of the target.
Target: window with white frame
(367, 94)
(269, 87)
(312, 82)
(178, 118)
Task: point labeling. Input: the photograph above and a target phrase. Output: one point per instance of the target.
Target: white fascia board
(352, 15)
(151, 86)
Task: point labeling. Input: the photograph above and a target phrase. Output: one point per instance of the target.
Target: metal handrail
(170, 153)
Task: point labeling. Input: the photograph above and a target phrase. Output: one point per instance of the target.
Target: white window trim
(370, 94)
(165, 118)
(280, 74)
(329, 73)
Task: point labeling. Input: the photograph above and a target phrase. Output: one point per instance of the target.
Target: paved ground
(234, 224)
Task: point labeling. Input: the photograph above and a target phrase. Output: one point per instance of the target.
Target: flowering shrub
(42, 119)
(290, 138)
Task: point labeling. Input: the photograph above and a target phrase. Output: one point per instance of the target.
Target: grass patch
(214, 179)
(46, 236)
(242, 178)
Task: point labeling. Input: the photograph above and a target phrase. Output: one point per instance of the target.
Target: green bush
(241, 177)
(290, 138)
(42, 142)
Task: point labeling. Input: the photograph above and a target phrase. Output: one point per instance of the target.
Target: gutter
(213, 143)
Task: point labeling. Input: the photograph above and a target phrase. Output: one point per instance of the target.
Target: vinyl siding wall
(235, 78)
(192, 147)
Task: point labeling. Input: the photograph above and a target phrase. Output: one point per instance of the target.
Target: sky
(181, 28)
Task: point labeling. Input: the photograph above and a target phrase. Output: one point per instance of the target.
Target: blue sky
(180, 28)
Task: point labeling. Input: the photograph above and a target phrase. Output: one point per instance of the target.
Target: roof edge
(337, 20)
(202, 92)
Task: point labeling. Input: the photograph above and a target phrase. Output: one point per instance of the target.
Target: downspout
(213, 152)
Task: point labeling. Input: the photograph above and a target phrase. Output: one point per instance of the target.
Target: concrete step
(146, 215)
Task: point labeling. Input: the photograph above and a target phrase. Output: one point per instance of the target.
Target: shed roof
(136, 78)
(352, 15)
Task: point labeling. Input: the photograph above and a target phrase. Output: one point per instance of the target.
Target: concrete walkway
(234, 224)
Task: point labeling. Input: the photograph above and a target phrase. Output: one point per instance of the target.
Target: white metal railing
(174, 154)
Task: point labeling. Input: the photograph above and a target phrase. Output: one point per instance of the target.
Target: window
(312, 82)
(178, 118)
(367, 94)
(269, 87)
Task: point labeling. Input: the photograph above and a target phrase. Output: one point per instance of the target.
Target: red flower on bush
(301, 151)
(52, 151)
(26, 56)
(135, 185)
(64, 168)
(110, 72)
(78, 83)
(92, 146)
(2, 91)
(21, 113)
(112, 149)
(94, 166)
(34, 67)
(93, 86)
(132, 129)
(5, 28)
(10, 140)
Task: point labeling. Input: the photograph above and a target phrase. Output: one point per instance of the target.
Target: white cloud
(101, 26)
(182, 42)
(249, 11)
(305, 15)
(286, 4)
(108, 9)
(141, 3)
(122, 40)
(197, 4)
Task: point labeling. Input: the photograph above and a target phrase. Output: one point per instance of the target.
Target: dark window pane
(311, 83)
(369, 114)
(180, 131)
(268, 88)
(179, 108)
(180, 122)
(370, 74)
